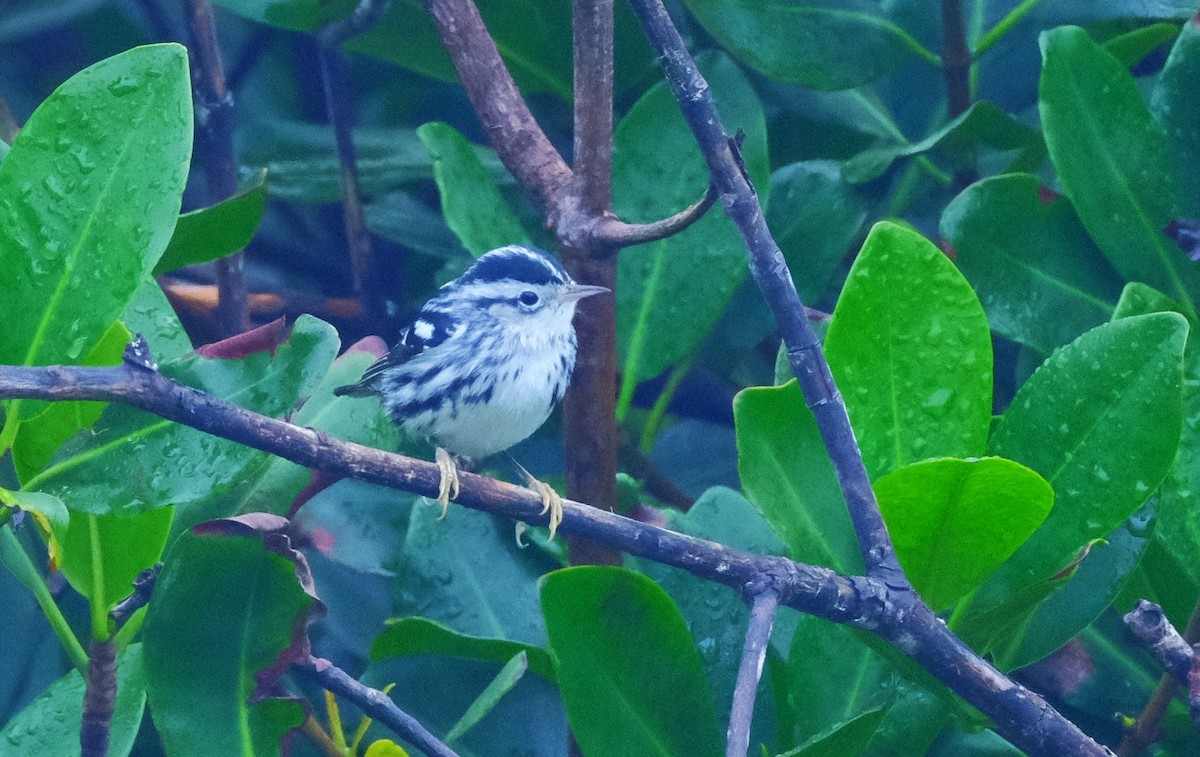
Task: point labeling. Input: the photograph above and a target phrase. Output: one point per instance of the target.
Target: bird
(483, 364)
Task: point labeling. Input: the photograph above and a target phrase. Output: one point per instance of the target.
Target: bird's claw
(448, 486)
(551, 503)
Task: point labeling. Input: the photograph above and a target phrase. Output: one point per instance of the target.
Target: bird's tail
(353, 390)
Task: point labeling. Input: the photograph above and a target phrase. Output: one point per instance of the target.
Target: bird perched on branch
(484, 363)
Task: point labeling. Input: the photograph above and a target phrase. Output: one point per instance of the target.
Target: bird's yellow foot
(551, 502)
(448, 486)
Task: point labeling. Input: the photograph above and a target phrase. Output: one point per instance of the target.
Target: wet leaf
(217, 231)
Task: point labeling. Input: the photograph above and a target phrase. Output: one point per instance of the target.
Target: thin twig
(339, 105)
(143, 588)
(618, 234)
(763, 607)
(214, 122)
(1148, 623)
(771, 273)
(868, 603)
(374, 703)
(956, 64)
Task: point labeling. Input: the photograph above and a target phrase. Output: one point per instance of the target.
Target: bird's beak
(575, 292)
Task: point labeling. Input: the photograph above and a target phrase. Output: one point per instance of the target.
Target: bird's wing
(431, 327)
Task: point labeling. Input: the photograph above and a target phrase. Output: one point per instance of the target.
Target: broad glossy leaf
(671, 292)
(1100, 578)
(953, 522)
(50, 724)
(275, 487)
(610, 630)
(826, 44)
(983, 124)
(122, 546)
(849, 737)
(135, 461)
(1114, 162)
(471, 202)
(111, 143)
(151, 315)
(717, 615)
(1175, 106)
(414, 636)
(1040, 277)
(38, 437)
(217, 231)
(910, 349)
(786, 472)
(833, 674)
(814, 215)
(467, 571)
(1100, 421)
(228, 607)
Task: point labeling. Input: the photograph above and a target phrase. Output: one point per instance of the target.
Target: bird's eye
(528, 298)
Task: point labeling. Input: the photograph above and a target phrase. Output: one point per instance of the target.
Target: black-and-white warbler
(484, 363)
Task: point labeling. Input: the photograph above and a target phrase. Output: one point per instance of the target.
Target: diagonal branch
(374, 703)
(519, 140)
(864, 602)
(771, 273)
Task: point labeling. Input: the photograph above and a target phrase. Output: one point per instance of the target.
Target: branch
(864, 602)
(1174, 652)
(771, 273)
(521, 144)
(339, 106)
(143, 588)
(762, 618)
(214, 122)
(374, 703)
(616, 233)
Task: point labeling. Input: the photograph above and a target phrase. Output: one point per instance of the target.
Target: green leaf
(850, 737)
(151, 315)
(910, 349)
(716, 615)
(121, 546)
(826, 44)
(1040, 277)
(527, 35)
(467, 571)
(90, 194)
(1131, 47)
(471, 201)
(38, 437)
(610, 631)
(1100, 578)
(671, 292)
(953, 522)
(1100, 421)
(50, 724)
(134, 461)
(227, 607)
(217, 231)
(983, 124)
(487, 699)
(786, 472)
(1114, 162)
(815, 216)
(274, 487)
(413, 636)
(834, 674)
(1176, 108)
